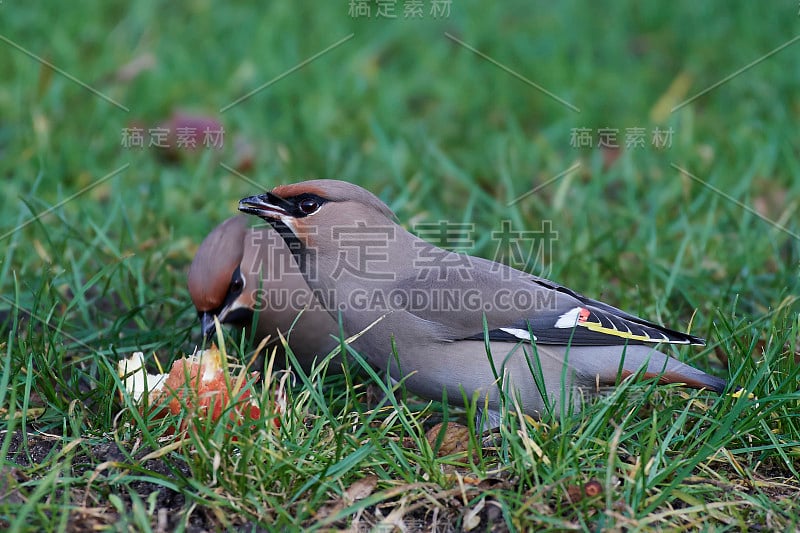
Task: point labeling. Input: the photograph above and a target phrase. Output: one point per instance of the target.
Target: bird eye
(309, 206)
(237, 285)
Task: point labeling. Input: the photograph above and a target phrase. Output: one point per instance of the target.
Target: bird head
(216, 280)
(305, 213)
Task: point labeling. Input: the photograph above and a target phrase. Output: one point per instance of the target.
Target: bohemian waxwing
(435, 307)
(239, 270)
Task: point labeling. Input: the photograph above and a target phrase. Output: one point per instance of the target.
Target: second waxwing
(240, 271)
(469, 327)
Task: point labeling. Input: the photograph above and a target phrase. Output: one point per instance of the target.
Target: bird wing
(586, 325)
(554, 314)
(594, 322)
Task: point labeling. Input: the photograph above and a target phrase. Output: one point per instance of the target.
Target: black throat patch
(296, 246)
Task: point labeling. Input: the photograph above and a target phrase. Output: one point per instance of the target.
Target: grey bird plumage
(435, 306)
(239, 270)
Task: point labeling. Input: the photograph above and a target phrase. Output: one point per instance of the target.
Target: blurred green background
(404, 107)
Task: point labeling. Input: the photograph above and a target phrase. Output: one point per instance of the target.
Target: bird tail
(666, 369)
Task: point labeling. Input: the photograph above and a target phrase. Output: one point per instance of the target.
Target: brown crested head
(214, 263)
(306, 214)
(338, 191)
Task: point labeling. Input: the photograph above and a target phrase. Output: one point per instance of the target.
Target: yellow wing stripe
(599, 328)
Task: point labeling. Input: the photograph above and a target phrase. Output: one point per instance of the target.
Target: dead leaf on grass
(455, 438)
(359, 490)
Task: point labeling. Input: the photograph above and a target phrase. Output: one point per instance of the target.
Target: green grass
(440, 134)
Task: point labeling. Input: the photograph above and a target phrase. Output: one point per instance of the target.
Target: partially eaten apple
(204, 384)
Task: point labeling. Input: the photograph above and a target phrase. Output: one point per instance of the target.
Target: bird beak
(267, 205)
(207, 326)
